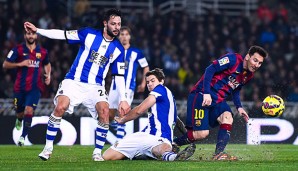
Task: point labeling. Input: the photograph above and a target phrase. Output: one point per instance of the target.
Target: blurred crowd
(181, 44)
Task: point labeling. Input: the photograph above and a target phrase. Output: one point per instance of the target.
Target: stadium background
(180, 36)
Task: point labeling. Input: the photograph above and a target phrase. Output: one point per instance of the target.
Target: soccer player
(155, 140)
(206, 104)
(29, 58)
(133, 59)
(85, 81)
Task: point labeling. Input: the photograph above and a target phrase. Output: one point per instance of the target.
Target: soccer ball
(273, 106)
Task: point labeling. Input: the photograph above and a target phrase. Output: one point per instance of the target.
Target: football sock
(20, 119)
(100, 137)
(53, 127)
(169, 156)
(223, 137)
(185, 139)
(120, 131)
(27, 124)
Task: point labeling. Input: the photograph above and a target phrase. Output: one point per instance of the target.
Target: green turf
(263, 157)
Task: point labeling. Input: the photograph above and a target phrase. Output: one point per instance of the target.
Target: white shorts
(114, 97)
(82, 93)
(139, 143)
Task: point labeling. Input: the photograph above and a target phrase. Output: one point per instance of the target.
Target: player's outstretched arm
(137, 111)
(24, 63)
(52, 33)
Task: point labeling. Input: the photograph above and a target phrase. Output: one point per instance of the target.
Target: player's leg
(164, 151)
(31, 101)
(28, 114)
(111, 154)
(62, 104)
(19, 107)
(19, 120)
(102, 129)
(196, 121)
(223, 116)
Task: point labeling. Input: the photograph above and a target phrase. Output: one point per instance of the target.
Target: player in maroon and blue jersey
(28, 58)
(207, 106)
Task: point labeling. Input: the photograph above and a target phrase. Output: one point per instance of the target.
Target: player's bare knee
(199, 135)
(226, 118)
(60, 110)
(29, 110)
(160, 149)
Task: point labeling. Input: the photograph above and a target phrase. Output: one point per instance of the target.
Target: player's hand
(29, 27)
(207, 100)
(47, 80)
(119, 120)
(123, 108)
(27, 63)
(141, 89)
(243, 113)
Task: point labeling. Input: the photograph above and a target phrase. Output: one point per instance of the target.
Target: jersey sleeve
(142, 60)
(225, 62)
(76, 36)
(118, 64)
(12, 55)
(157, 92)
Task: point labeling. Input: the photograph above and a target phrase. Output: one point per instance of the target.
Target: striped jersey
(133, 59)
(29, 78)
(162, 115)
(95, 57)
(229, 77)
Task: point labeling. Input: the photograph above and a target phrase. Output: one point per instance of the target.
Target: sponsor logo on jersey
(223, 61)
(233, 83)
(25, 54)
(35, 64)
(97, 59)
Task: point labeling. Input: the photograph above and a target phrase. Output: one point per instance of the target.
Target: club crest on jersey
(233, 83)
(198, 122)
(38, 55)
(223, 61)
(97, 59)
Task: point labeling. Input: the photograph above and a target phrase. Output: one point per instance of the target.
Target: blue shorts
(202, 118)
(23, 99)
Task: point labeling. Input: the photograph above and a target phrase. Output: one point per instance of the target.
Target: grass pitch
(262, 157)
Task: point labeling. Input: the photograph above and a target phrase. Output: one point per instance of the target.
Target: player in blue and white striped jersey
(155, 140)
(133, 59)
(99, 51)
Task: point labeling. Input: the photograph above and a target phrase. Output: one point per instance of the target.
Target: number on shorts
(199, 114)
(101, 93)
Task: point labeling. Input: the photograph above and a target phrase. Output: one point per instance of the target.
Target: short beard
(31, 42)
(110, 33)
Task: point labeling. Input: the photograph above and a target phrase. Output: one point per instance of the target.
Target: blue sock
(52, 129)
(100, 137)
(223, 137)
(27, 125)
(120, 131)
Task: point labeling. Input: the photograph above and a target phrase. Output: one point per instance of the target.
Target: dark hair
(259, 50)
(125, 28)
(111, 12)
(157, 72)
